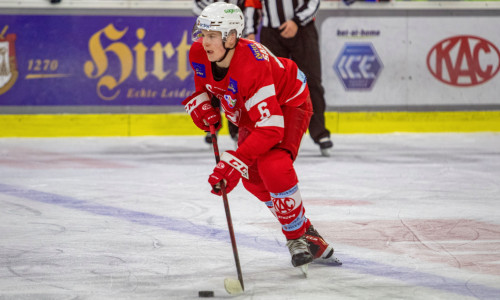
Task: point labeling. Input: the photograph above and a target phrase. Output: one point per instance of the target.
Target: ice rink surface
(412, 216)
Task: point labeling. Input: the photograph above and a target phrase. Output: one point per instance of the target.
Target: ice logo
(358, 66)
(463, 60)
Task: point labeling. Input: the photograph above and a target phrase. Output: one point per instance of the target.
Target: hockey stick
(232, 286)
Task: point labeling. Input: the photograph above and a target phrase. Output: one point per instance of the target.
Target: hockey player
(268, 99)
(198, 6)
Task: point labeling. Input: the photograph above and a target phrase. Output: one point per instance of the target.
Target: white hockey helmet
(220, 16)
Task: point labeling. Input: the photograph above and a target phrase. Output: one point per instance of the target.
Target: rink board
(126, 71)
(410, 62)
(180, 124)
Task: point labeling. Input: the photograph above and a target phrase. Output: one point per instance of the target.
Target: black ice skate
(325, 145)
(320, 249)
(301, 256)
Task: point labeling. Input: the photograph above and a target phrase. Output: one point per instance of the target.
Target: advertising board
(406, 62)
(94, 60)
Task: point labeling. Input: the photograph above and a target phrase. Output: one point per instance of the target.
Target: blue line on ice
(409, 276)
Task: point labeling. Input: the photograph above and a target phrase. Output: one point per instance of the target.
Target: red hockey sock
(290, 212)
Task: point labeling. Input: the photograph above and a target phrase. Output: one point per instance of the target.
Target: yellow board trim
(387, 122)
(63, 125)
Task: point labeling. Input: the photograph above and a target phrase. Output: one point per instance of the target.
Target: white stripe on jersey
(262, 94)
(272, 121)
(302, 88)
(275, 58)
(302, 78)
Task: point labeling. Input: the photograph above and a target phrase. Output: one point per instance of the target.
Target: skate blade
(332, 261)
(325, 152)
(304, 269)
(233, 286)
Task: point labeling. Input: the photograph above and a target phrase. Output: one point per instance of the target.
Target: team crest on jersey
(8, 64)
(199, 69)
(230, 101)
(233, 86)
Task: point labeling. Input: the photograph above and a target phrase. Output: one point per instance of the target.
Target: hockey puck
(205, 294)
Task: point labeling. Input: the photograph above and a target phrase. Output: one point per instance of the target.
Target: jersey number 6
(264, 112)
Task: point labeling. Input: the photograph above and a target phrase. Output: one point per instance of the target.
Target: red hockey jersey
(252, 93)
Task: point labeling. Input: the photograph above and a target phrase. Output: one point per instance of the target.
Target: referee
(289, 30)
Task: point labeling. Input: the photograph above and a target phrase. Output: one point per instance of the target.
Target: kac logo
(283, 205)
(464, 60)
(358, 66)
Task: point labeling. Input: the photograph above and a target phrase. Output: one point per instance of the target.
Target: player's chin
(212, 56)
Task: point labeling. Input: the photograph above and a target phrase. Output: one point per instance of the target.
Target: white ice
(412, 216)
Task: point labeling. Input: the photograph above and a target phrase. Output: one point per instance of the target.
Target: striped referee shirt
(277, 12)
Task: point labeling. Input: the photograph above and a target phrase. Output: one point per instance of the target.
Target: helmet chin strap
(224, 56)
(227, 51)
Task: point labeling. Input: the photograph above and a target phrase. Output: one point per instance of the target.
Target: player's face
(212, 43)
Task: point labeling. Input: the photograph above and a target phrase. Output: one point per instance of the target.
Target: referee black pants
(303, 49)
